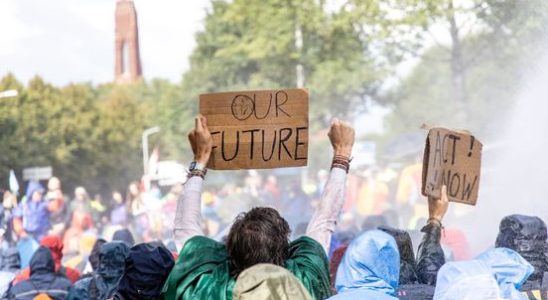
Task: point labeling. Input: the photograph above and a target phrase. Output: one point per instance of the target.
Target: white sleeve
(188, 215)
(323, 222)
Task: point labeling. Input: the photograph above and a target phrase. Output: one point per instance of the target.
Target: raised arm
(430, 254)
(188, 216)
(322, 224)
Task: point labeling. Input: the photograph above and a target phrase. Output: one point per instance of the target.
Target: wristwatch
(196, 166)
(197, 169)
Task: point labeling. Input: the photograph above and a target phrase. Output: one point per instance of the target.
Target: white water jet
(515, 165)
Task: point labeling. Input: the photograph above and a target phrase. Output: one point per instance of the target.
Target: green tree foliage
(253, 44)
(164, 106)
(472, 78)
(91, 136)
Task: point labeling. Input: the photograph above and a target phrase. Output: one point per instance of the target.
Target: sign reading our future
(452, 158)
(257, 129)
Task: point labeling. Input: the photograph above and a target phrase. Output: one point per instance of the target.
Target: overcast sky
(73, 40)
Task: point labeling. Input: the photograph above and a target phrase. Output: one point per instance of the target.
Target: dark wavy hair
(259, 236)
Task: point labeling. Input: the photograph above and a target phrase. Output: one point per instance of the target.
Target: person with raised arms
(208, 269)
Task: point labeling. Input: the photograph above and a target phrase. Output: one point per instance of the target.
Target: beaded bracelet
(341, 162)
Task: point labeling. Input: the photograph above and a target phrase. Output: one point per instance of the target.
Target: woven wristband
(341, 162)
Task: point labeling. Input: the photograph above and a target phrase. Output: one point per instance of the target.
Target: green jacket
(202, 270)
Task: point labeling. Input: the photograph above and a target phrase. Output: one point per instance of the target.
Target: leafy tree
(251, 44)
(90, 137)
(163, 106)
(10, 110)
(118, 144)
(471, 78)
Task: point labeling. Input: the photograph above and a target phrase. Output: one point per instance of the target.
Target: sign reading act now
(452, 158)
(257, 129)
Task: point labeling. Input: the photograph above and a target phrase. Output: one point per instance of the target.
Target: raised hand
(200, 140)
(437, 207)
(342, 135)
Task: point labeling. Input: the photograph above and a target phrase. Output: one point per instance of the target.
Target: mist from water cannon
(514, 177)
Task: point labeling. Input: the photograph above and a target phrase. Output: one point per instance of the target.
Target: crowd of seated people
(257, 260)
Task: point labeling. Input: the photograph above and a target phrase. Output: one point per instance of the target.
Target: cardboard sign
(452, 158)
(257, 129)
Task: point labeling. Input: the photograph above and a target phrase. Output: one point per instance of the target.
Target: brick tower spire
(128, 61)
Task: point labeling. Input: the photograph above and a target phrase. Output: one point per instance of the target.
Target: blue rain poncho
(496, 274)
(370, 268)
(510, 270)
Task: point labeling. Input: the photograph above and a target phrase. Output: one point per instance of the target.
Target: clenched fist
(342, 135)
(201, 140)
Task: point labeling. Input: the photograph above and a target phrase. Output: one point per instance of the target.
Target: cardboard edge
(425, 160)
(305, 90)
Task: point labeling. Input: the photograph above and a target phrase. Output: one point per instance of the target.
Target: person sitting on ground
(510, 270)
(409, 285)
(408, 264)
(370, 268)
(207, 269)
(44, 282)
(102, 284)
(417, 277)
(466, 280)
(495, 274)
(527, 236)
(146, 269)
(55, 245)
(430, 256)
(266, 282)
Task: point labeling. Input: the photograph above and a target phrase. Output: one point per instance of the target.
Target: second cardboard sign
(452, 158)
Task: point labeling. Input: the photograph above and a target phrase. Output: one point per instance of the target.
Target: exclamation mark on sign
(472, 140)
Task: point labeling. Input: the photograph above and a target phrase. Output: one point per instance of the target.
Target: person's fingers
(191, 136)
(198, 123)
(203, 119)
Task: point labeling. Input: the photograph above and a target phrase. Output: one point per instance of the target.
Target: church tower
(128, 62)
